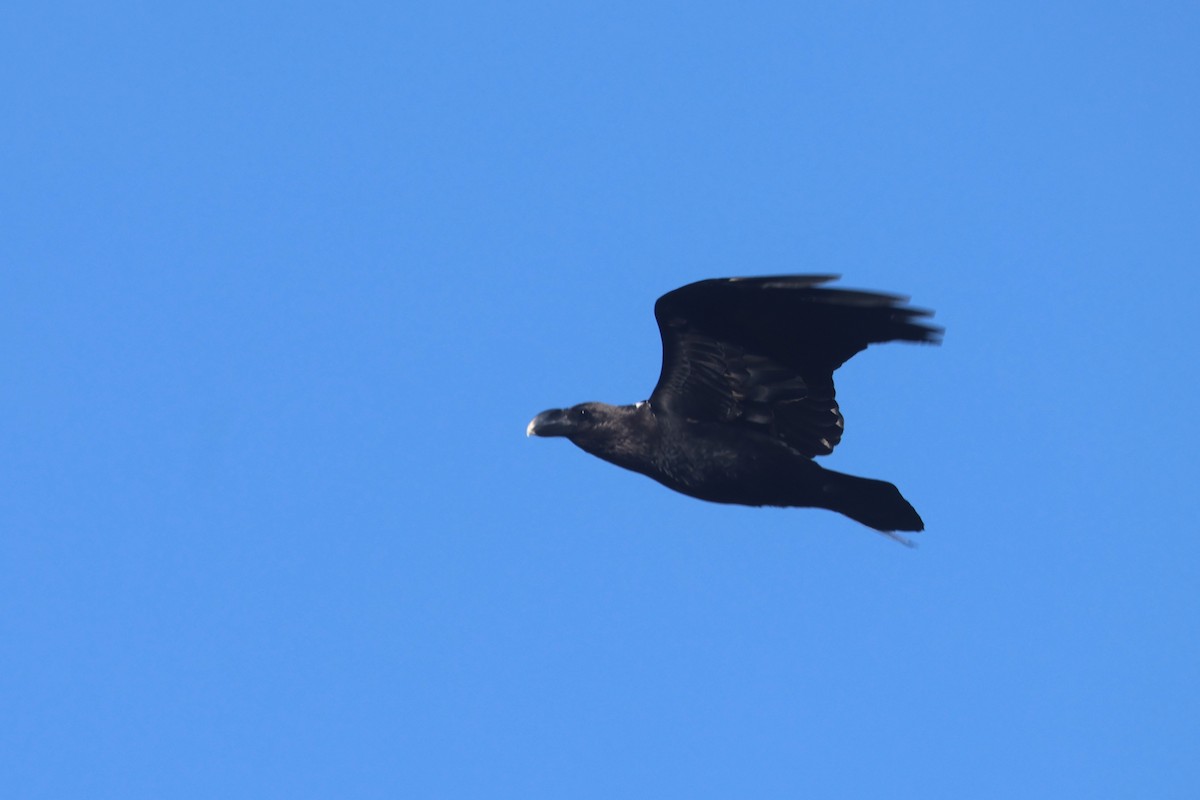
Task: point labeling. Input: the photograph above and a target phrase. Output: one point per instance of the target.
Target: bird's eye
(581, 413)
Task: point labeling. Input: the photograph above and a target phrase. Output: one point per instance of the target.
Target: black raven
(745, 399)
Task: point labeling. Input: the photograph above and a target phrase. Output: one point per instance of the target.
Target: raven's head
(607, 431)
(576, 421)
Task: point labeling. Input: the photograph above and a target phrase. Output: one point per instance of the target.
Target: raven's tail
(876, 504)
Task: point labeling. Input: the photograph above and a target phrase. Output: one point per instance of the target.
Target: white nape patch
(640, 403)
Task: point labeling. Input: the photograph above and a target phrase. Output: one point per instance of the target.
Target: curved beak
(549, 423)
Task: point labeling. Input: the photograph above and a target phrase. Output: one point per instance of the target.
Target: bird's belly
(768, 478)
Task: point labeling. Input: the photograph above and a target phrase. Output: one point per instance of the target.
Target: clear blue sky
(282, 284)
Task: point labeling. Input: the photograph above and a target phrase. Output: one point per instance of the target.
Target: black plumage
(745, 398)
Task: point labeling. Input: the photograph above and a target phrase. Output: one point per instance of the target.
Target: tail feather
(876, 504)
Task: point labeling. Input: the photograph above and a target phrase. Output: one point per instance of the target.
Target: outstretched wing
(761, 352)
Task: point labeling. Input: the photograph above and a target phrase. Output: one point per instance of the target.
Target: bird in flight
(745, 399)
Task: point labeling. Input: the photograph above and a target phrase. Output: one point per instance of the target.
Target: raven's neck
(629, 438)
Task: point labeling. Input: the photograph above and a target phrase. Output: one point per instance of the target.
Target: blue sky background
(282, 284)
